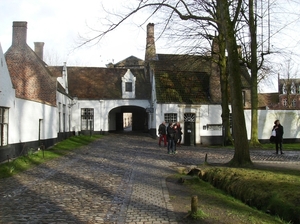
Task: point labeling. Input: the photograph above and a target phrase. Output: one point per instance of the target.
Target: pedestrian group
(171, 136)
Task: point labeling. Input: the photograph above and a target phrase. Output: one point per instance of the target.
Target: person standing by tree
(162, 133)
(279, 133)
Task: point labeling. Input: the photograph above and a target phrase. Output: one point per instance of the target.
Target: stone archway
(139, 119)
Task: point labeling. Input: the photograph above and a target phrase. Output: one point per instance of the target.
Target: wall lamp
(74, 101)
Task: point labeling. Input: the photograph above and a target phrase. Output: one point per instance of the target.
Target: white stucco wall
(290, 119)
(211, 114)
(102, 108)
(24, 118)
(63, 100)
(7, 93)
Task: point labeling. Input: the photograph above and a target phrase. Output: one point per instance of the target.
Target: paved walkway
(117, 179)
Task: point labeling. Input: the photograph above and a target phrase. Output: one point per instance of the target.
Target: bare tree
(204, 13)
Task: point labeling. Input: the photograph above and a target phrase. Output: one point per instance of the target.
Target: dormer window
(293, 88)
(284, 89)
(128, 85)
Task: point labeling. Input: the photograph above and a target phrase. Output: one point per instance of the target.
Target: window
(128, 86)
(284, 102)
(64, 118)
(294, 102)
(59, 117)
(87, 119)
(244, 97)
(189, 117)
(3, 126)
(69, 119)
(171, 117)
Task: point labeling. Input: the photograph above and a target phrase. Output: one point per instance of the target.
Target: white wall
(24, 119)
(289, 119)
(101, 112)
(7, 93)
(62, 100)
(211, 114)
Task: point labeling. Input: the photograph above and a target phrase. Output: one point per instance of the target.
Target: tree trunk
(254, 69)
(224, 91)
(241, 147)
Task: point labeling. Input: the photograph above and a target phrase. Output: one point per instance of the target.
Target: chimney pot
(19, 36)
(150, 43)
(39, 49)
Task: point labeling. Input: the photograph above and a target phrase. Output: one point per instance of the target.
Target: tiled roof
(245, 78)
(104, 83)
(130, 62)
(30, 75)
(270, 100)
(182, 79)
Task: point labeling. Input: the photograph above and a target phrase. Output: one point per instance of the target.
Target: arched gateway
(128, 117)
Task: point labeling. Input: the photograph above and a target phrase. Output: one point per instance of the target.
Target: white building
(41, 104)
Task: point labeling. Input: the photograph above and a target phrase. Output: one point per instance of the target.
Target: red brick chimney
(39, 49)
(19, 36)
(150, 43)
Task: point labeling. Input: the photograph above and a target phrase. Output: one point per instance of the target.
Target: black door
(189, 133)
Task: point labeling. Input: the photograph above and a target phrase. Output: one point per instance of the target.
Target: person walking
(279, 134)
(171, 137)
(179, 134)
(162, 133)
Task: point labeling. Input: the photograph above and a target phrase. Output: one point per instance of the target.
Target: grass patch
(266, 146)
(199, 215)
(274, 191)
(33, 158)
(286, 147)
(218, 205)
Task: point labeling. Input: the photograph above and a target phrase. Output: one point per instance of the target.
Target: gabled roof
(30, 75)
(94, 83)
(130, 62)
(181, 79)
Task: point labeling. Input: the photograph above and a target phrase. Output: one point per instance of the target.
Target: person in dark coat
(279, 133)
(162, 131)
(171, 138)
(179, 134)
(175, 137)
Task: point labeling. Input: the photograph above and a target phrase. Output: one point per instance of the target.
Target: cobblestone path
(117, 179)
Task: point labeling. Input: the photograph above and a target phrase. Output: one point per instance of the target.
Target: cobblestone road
(117, 179)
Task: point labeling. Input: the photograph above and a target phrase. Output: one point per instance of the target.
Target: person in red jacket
(162, 131)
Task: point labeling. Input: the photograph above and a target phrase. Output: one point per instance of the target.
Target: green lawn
(33, 158)
(272, 190)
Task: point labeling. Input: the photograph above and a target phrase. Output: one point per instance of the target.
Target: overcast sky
(60, 23)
